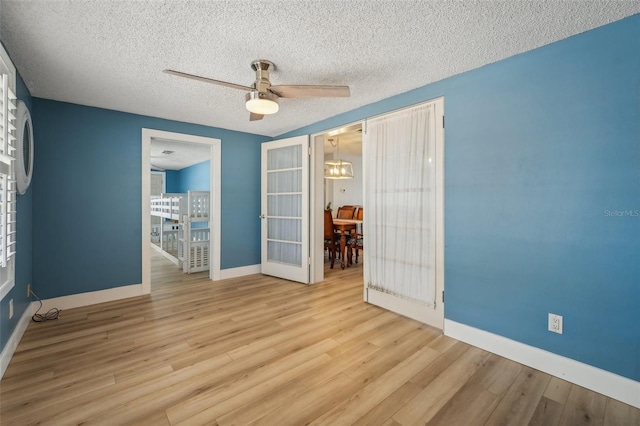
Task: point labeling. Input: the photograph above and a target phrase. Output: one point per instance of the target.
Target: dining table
(345, 227)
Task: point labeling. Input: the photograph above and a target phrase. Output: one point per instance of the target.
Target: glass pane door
(285, 194)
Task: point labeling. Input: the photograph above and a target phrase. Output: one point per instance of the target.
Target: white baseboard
(239, 272)
(16, 336)
(170, 257)
(596, 379)
(91, 298)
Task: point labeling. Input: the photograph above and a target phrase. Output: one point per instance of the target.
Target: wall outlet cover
(555, 323)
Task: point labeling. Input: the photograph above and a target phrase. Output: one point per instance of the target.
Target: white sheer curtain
(400, 197)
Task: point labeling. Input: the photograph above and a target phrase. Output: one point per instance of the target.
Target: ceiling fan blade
(208, 80)
(255, 117)
(311, 91)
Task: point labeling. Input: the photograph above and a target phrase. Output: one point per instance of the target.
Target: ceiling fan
(262, 97)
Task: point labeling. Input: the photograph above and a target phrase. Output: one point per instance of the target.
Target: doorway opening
(190, 202)
(336, 195)
(403, 205)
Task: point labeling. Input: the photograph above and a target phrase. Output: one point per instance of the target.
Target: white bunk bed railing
(170, 239)
(194, 250)
(198, 257)
(189, 239)
(196, 246)
(200, 235)
(169, 206)
(198, 204)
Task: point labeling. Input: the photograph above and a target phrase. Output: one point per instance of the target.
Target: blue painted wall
(87, 230)
(542, 194)
(192, 178)
(172, 178)
(196, 177)
(24, 247)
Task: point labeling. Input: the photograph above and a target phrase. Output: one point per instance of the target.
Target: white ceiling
(176, 155)
(348, 140)
(111, 54)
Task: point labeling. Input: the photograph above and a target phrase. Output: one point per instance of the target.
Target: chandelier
(338, 168)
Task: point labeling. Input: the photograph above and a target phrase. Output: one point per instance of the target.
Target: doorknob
(262, 216)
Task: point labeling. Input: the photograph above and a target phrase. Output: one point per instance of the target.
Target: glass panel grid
(282, 252)
(287, 205)
(284, 229)
(285, 181)
(287, 157)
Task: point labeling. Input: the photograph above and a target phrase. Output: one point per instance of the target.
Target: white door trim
(214, 208)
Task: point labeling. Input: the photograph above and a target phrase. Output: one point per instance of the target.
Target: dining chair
(359, 214)
(357, 242)
(331, 239)
(345, 212)
(356, 212)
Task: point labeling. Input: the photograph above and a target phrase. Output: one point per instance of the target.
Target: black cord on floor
(52, 314)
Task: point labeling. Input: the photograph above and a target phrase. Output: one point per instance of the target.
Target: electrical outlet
(29, 290)
(10, 308)
(555, 323)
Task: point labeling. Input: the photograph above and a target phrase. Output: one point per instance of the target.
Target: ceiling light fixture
(263, 103)
(338, 168)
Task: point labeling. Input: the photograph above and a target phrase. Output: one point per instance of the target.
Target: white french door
(404, 239)
(285, 209)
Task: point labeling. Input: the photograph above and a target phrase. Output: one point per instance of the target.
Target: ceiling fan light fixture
(263, 103)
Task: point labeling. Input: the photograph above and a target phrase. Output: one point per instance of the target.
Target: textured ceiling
(176, 155)
(349, 142)
(111, 54)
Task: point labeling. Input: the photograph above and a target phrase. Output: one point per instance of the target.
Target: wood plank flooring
(263, 351)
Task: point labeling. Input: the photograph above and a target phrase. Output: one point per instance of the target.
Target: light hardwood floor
(258, 350)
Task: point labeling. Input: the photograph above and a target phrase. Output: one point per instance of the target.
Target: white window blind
(7, 175)
(8, 104)
(8, 131)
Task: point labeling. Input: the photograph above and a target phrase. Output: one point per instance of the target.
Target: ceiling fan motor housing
(262, 68)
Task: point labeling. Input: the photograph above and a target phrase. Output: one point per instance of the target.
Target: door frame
(316, 251)
(215, 176)
(316, 197)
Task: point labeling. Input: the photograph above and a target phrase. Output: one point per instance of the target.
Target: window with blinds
(7, 176)
(8, 109)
